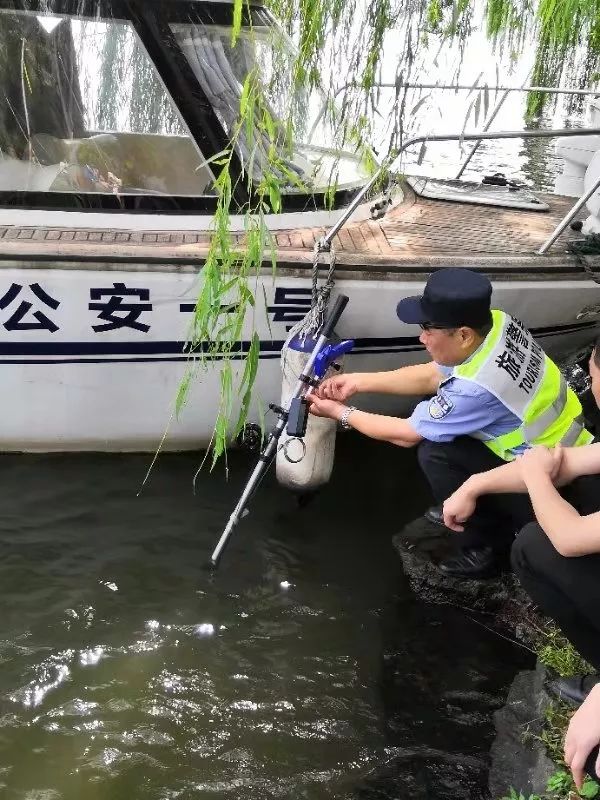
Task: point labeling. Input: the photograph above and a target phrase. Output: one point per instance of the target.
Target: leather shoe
(573, 690)
(435, 514)
(471, 562)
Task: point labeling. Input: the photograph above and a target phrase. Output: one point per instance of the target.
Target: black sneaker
(573, 690)
(435, 514)
(473, 562)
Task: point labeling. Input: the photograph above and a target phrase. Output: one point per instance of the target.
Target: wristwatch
(344, 418)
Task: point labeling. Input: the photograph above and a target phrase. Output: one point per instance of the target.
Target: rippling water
(304, 668)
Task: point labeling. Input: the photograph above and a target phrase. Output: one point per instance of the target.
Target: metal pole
(270, 450)
(486, 127)
(479, 88)
(455, 87)
(325, 242)
(265, 458)
(565, 221)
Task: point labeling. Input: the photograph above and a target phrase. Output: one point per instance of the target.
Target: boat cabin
(125, 105)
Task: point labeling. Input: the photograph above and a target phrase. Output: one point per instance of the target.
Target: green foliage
(590, 789)
(556, 721)
(564, 25)
(272, 118)
(514, 795)
(560, 783)
(560, 786)
(557, 653)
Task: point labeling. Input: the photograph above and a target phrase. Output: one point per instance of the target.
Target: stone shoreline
(515, 761)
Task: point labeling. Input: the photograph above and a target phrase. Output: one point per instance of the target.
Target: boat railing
(324, 244)
(474, 87)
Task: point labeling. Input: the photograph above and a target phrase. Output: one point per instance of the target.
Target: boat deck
(416, 235)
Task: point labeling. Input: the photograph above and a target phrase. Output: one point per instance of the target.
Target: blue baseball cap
(452, 297)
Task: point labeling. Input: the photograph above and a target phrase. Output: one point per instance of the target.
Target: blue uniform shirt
(460, 408)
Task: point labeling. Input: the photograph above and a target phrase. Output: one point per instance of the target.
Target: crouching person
(557, 557)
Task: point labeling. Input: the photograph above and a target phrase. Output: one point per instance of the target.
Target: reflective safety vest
(514, 368)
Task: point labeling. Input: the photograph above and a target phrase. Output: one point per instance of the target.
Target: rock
(518, 761)
(515, 762)
(422, 545)
(426, 773)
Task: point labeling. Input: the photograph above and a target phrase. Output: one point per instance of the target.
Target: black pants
(498, 516)
(566, 589)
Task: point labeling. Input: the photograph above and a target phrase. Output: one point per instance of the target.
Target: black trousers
(497, 517)
(565, 589)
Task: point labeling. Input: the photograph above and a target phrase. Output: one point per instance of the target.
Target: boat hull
(92, 358)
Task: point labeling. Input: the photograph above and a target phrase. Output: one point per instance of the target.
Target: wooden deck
(416, 235)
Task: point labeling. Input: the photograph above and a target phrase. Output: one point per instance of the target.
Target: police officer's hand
(583, 735)
(541, 459)
(339, 387)
(322, 407)
(458, 508)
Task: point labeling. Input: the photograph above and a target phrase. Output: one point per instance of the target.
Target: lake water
(304, 668)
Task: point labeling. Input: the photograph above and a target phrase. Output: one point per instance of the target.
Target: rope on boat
(314, 319)
(293, 360)
(307, 327)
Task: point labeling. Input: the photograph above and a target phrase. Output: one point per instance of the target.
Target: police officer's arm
(386, 429)
(376, 426)
(414, 380)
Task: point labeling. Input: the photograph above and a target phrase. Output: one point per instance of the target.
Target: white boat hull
(113, 389)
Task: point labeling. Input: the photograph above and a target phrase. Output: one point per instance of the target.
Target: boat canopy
(127, 105)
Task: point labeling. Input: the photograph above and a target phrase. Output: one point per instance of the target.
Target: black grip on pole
(334, 315)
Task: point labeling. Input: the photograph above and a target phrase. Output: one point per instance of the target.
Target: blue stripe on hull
(175, 351)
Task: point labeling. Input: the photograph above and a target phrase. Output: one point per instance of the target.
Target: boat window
(83, 109)
(320, 155)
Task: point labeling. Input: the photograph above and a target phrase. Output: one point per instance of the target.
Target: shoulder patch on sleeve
(440, 406)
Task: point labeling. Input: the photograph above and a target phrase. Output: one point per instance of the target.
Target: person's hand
(339, 387)
(541, 459)
(458, 508)
(322, 407)
(583, 734)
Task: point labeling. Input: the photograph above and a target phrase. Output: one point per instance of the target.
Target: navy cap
(452, 297)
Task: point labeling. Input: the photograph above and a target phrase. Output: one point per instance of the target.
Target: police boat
(112, 112)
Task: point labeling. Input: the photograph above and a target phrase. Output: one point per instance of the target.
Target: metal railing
(324, 243)
(457, 87)
(482, 87)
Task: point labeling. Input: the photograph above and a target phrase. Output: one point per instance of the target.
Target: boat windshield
(321, 155)
(85, 111)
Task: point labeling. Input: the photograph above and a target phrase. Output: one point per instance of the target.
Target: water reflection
(304, 668)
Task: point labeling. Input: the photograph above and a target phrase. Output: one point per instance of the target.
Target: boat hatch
(459, 191)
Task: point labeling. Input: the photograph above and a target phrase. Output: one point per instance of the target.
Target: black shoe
(480, 562)
(573, 690)
(435, 514)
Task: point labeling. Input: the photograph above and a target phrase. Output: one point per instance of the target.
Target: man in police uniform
(495, 393)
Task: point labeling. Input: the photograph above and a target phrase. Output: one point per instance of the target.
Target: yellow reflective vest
(514, 368)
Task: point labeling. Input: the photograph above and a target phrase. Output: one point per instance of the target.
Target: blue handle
(329, 354)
